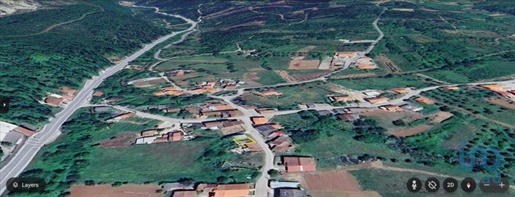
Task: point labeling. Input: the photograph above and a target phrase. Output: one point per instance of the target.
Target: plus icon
(501, 185)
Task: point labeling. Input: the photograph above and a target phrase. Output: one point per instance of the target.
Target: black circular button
(450, 185)
(468, 184)
(414, 184)
(432, 184)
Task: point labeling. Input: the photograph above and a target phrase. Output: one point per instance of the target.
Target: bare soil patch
(130, 190)
(334, 183)
(120, 140)
(284, 74)
(501, 101)
(303, 64)
(334, 180)
(440, 116)
(250, 78)
(148, 83)
(305, 77)
(306, 49)
(409, 131)
(403, 9)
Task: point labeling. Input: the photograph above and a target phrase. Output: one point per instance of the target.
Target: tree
(399, 123)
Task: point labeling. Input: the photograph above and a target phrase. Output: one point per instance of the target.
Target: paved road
(50, 131)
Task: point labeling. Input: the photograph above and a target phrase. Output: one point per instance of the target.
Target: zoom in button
(26, 185)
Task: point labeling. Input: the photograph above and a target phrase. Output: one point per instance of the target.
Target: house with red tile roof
(163, 138)
(299, 163)
(258, 120)
(98, 93)
(175, 136)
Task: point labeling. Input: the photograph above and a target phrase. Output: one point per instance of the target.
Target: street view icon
(414, 184)
(4, 104)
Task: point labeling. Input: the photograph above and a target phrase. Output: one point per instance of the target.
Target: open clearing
(333, 183)
(250, 78)
(120, 140)
(306, 49)
(388, 64)
(284, 74)
(130, 190)
(500, 101)
(409, 131)
(303, 64)
(147, 83)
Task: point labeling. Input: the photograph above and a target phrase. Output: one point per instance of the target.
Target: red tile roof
(176, 136)
(24, 131)
(299, 164)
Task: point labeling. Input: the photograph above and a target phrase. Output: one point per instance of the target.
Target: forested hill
(35, 60)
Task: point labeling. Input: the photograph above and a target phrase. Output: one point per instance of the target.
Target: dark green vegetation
(434, 150)
(391, 183)
(76, 157)
(64, 55)
(116, 87)
(463, 41)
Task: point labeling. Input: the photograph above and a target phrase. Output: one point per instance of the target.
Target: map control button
(432, 184)
(414, 184)
(494, 185)
(450, 185)
(468, 184)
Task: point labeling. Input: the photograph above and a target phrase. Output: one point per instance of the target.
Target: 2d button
(450, 185)
(468, 184)
(432, 184)
(4, 104)
(414, 184)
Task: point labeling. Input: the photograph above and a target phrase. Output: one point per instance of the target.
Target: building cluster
(13, 134)
(201, 87)
(363, 63)
(276, 139)
(58, 100)
(217, 190)
(151, 136)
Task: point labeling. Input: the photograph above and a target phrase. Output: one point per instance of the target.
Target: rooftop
(299, 164)
(258, 120)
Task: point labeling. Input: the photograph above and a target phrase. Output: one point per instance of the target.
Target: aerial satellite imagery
(258, 98)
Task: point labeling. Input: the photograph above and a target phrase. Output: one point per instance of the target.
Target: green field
(382, 83)
(76, 157)
(292, 96)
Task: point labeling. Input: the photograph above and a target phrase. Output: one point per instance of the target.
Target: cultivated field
(303, 64)
(334, 183)
(106, 190)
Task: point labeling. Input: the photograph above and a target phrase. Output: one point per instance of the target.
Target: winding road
(50, 131)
